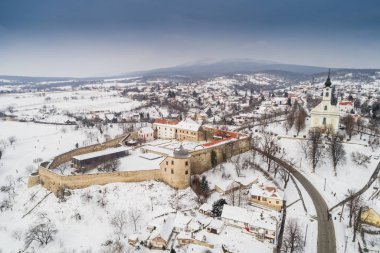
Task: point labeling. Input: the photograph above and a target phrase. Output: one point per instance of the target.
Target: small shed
(133, 239)
(215, 226)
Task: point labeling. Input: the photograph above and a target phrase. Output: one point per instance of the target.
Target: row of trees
(315, 151)
(296, 117)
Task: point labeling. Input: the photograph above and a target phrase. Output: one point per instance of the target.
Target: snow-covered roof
(216, 224)
(184, 235)
(206, 207)
(165, 230)
(146, 130)
(188, 124)
(253, 218)
(181, 221)
(108, 151)
(236, 213)
(266, 191)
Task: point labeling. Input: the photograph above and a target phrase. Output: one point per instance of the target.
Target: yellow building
(268, 196)
(370, 217)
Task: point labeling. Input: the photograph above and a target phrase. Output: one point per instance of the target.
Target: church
(325, 115)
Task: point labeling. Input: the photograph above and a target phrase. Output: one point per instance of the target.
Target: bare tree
(11, 139)
(109, 166)
(300, 119)
(349, 123)
(360, 159)
(374, 143)
(236, 160)
(288, 124)
(270, 146)
(293, 238)
(119, 221)
(63, 167)
(304, 147)
(354, 203)
(315, 149)
(336, 151)
(285, 176)
(134, 216)
(43, 233)
(102, 198)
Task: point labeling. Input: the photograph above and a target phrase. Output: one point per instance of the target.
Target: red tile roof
(165, 122)
(345, 103)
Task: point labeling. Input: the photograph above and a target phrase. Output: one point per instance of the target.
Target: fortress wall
(65, 157)
(54, 181)
(201, 160)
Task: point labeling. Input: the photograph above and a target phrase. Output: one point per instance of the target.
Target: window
(254, 197)
(186, 172)
(165, 169)
(186, 163)
(324, 121)
(277, 202)
(264, 199)
(167, 163)
(327, 94)
(172, 171)
(325, 107)
(172, 162)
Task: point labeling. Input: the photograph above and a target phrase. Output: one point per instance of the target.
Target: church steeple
(328, 81)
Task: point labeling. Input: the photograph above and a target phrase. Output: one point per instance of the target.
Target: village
(204, 146)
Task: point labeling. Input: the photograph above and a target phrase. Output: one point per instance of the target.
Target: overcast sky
(105, 37)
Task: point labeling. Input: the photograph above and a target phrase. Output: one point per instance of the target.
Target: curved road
(326, 232)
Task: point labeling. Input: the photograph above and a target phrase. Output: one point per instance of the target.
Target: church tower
(325, 115)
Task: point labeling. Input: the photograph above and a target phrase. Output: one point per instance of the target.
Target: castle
(180, 150)
(325, 115)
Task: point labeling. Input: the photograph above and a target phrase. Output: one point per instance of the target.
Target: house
(184, 238)
(262, 224)
(165, 128)
(345, 106)
(205, 209)
(133, 239)
(266, 195)
(181, 222)
(325, 115)
(226, 186)
(215, 226)
(146, 134)
(186, 129)
(160, 237)
(370, 217)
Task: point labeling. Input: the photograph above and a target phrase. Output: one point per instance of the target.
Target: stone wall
(201, 160)
(65, 157)
(53, 181)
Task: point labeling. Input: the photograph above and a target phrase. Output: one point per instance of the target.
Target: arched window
(327, 94)
(325, 107)
(324, 121)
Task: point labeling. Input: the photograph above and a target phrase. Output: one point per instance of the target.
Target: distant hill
(206, 70)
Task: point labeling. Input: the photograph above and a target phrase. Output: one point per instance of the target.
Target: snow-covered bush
(360, 159)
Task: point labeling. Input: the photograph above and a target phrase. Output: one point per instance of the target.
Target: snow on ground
(334, 189)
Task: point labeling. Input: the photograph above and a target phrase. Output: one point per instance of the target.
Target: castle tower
(325, 115)
(175, 169)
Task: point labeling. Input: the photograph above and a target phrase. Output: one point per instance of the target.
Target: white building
(345, 106)
(260, 224)
(325, 115)
(146, 134)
